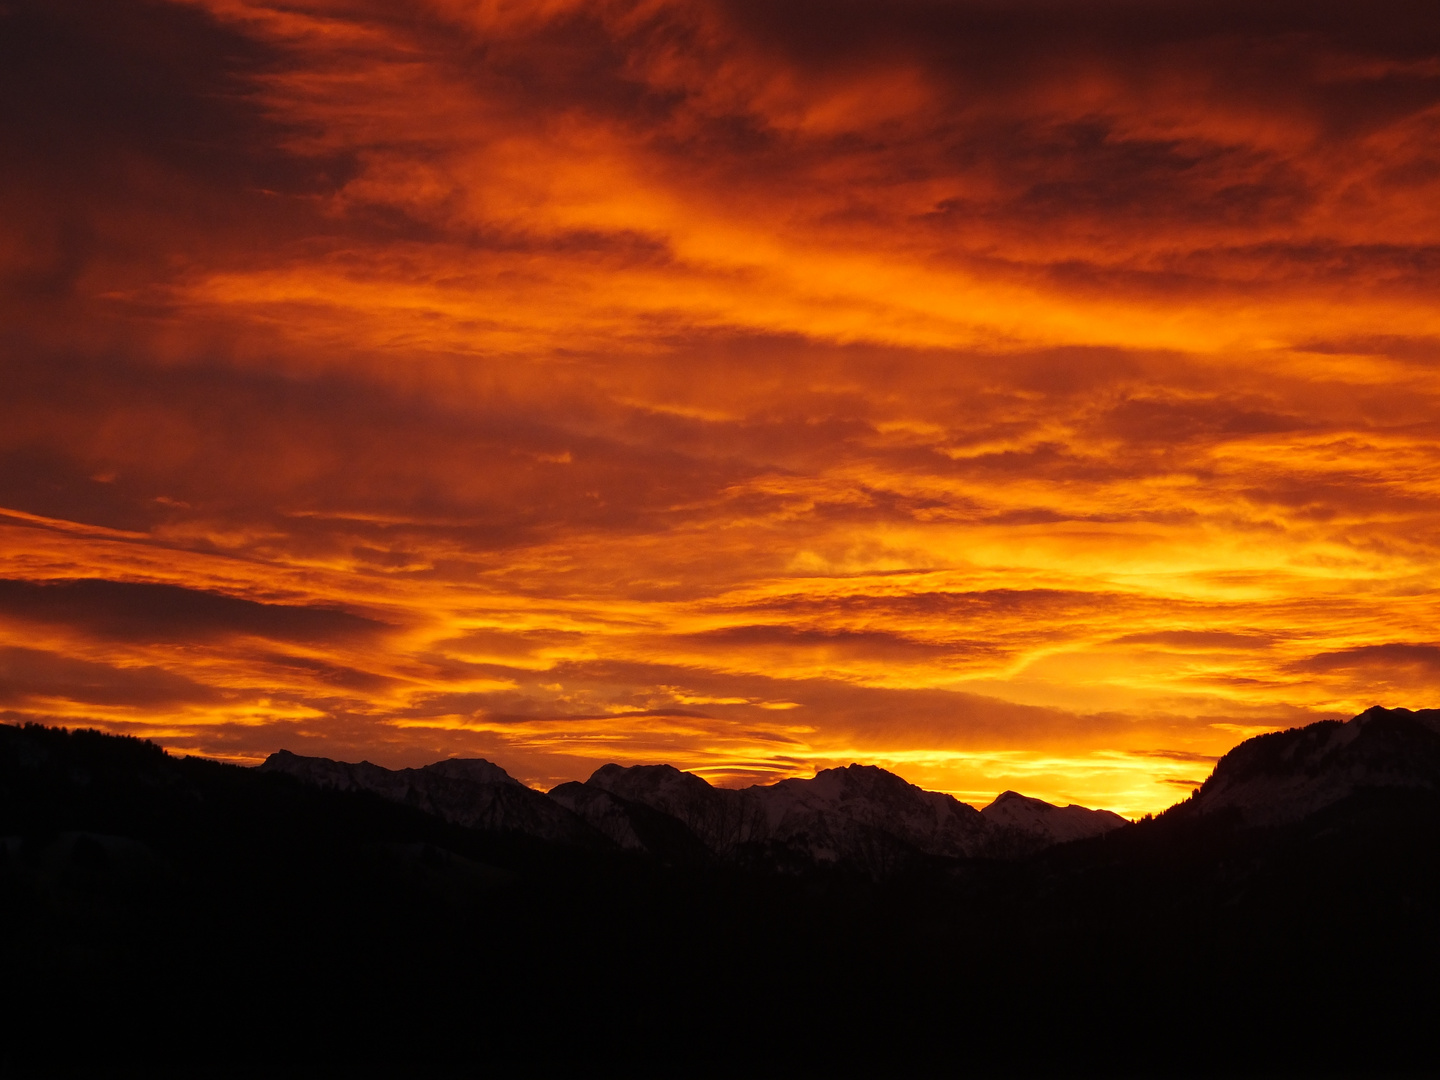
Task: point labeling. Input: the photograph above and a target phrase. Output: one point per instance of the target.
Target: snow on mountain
(859, 815)
(476, 770)
(602, 811)
(1285, 776)
(785, 825)
(827, 812)
(633, 826)
(1056, 824)
(471, 792)
(721, 818)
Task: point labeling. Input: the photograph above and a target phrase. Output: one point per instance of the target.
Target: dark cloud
(163, 79)
(125, 445)
(1319, 262)
(128, 611)
(1178, 755)
(132, 138)
(49, 482)
(28, 674)
(1392, 655)
(1274, 52)
(1199, 640)
(328, 673)
(1341, 493)
(1416, 348)
(1046, 101)
(618, 716)
(509, 644)
(987, 621)
(826, 642)
(1140, 420)
(1092, 169)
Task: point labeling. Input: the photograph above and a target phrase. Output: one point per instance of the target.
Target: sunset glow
(1029, 396)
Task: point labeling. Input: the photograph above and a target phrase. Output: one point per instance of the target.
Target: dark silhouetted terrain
(178, 915)
(861, 818)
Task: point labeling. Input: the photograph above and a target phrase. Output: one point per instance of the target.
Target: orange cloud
(1014, 401)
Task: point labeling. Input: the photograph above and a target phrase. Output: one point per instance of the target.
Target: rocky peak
(1055, 824)
(467, 791)
(1284, 776)
(476, 770)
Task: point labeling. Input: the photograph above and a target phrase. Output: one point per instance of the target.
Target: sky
(1028, 394)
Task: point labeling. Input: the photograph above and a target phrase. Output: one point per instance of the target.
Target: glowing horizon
(1018, 396)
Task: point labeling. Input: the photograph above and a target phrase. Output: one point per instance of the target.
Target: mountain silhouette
(466, 791)
(859, 817)
(1048, 823)
(315, 917)
(1286, 776)
(631, 825)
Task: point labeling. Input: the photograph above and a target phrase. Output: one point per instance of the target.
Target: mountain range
(859, 817)
(170, 915)
(865, 818)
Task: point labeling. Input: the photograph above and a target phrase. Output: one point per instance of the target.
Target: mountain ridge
(857, 816)
(1059, 823)
(471, 792)
(273, 904)
(1284, 776)
(867, 818)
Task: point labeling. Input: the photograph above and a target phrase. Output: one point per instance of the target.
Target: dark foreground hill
(178, 916)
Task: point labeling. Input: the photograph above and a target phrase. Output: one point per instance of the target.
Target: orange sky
(1032, 395)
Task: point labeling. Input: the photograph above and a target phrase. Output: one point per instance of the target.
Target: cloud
(1179, 755)
(30, 674)
(134, 130)
(1026, 388)
(1199, 640)
(1391, 655)
(130, 611)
